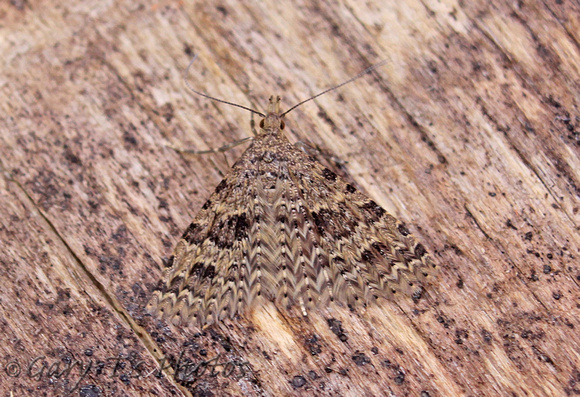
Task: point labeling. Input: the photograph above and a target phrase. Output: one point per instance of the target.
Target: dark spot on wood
(323, 115)
(336, 327)
(128, 137)
(90, 391)
(360, 359)
(510, 224)
(120, 233)
(168, 112)
(400, 378)
(298, 381)
(403, 230)
(222, 10)
(187, 50)
(350, 188)
(329, 175)
(486, 335)
(313, 345)
(554, 102)
(547, 269)
(206, 205)
(73, 158)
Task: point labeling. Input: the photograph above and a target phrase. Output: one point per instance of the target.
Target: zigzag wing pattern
(209, 276)
(284, 247)
(295, 266)
(371, 252)
(283, 227)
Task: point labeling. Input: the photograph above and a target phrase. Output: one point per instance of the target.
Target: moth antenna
(211, 97)
(367, 70)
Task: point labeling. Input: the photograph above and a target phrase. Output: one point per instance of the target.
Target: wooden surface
(471, 135)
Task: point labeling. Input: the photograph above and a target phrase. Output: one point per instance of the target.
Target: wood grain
(470, 134)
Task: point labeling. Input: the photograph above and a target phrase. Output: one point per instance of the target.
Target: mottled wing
(284, 227)
(252, 238)
(208, 277)
(286, 248)
(315, 238)
(369, 253)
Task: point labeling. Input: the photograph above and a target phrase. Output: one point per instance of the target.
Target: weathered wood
(470, 134)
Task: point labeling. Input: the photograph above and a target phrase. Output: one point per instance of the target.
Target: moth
(283, 227)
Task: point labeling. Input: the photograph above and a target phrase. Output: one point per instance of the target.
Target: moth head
(273, 121)
(274, 124)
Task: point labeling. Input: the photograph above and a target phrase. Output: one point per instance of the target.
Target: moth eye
(262, 123)
(282, 125)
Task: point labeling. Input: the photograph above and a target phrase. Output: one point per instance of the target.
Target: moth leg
(253, 125)
(252, 121)
(221, 149)
(310, 150)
